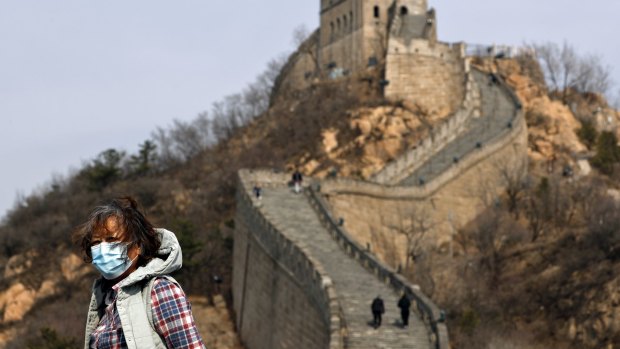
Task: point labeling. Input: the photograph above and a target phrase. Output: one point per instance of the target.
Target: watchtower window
(404, 10)
(351, 19)
(338, 24)
(376, 11)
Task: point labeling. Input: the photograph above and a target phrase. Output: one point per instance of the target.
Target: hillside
(541, 269)
(550, 270)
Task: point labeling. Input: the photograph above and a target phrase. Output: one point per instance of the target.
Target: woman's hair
(129, 219)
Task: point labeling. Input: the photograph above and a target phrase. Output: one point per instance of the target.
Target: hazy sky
(78, 77)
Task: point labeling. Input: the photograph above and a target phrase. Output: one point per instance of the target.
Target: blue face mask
(111, 259)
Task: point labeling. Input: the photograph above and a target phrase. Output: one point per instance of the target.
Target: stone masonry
(280, 306)
(279, 297)
(301, 280)
(397, 35)
(450, 188)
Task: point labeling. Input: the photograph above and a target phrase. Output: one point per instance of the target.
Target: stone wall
(354, 35)
(431, 76)
(345, 54)
(350, 33)
(450, 201)
(424, 307)
(439, 137)
(281, 296)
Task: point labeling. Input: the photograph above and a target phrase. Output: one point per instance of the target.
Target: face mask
(111, 259)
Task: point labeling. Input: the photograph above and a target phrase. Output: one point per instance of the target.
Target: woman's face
(114, 232)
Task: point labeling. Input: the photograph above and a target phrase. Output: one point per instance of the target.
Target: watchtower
(355, 33)
(400, 36)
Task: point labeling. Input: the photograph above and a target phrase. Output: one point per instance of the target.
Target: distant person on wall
(257, 191)
(404, 304)
(377, 309)
(297, 178)
(134, 304)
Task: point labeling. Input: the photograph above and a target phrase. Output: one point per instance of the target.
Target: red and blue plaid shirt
(172, 317)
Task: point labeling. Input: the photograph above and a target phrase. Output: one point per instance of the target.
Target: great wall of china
(306, 267)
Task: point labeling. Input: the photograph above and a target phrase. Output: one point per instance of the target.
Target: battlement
(353, 34)
(395, 38)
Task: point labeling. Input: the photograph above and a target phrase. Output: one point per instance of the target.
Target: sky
(79, 77)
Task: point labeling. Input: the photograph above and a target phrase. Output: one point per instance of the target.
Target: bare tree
(423, 274)
(551, 205)
(537, 216)
(414, 226)
(514, 179)
(237, 110)
(593, 75)
(300, 35)
(604, 226)
(484, 191)
(381, 42)
(489, 235)
(183, 140)
(386, 243)
(306, 43)
(565, 69)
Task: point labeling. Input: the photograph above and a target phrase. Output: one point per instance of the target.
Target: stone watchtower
(398, 35)
(354, 33)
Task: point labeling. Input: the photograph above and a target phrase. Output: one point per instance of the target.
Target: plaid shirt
(172, 317)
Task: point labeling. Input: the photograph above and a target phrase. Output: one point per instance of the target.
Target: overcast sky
(78, 77)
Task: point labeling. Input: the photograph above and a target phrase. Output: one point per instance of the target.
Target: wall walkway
(355, 281)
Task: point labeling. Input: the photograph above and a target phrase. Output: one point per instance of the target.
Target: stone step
(497, 112)
(355, 286)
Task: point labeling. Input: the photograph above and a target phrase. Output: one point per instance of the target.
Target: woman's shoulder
(164, 286)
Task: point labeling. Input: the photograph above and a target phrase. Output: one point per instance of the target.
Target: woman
(135, 304)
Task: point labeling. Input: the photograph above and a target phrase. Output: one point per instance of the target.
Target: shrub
(49, 339)
(607, 153)
(587, 134)
(468, 321)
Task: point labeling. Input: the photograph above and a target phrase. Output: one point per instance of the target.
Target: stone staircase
(354, 285)
(497, 111)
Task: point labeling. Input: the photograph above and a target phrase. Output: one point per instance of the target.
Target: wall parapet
(438, 138)
(515, 130)
(431, 315)
(503, 51)
(359, 187)
(447, 132)
(292, 255)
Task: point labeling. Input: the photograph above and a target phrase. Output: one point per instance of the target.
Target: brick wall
(280, 296)
(367, 208)
(440, 136)
(431, 76)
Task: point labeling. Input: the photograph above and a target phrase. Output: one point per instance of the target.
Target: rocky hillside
(341, 128)
(541, 268)
(550, 270)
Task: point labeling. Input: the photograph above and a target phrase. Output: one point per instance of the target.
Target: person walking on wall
(377, 309)
(257, 191)
(404, 304)
(135, 304)
(297, 178)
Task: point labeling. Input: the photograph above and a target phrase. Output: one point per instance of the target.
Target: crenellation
(272, 267)
(355, 35)
(275, 278)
